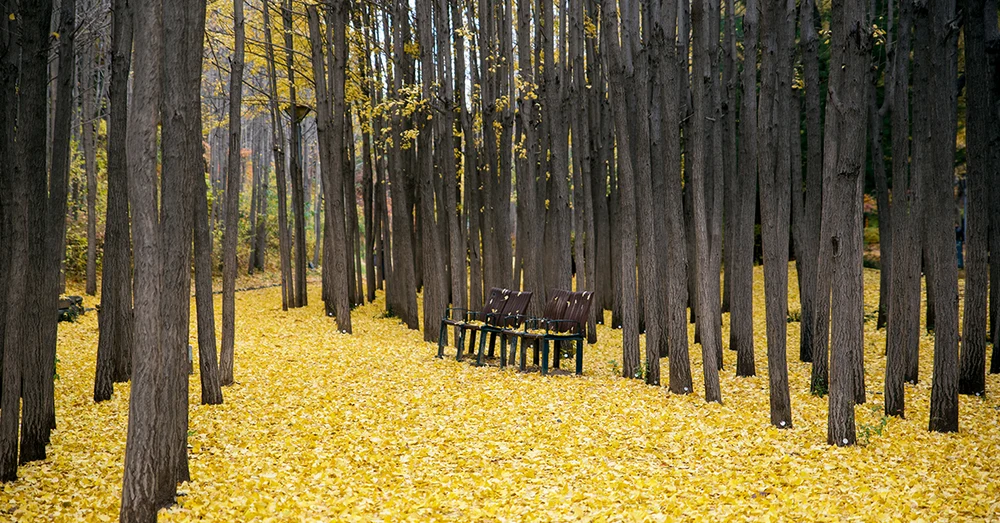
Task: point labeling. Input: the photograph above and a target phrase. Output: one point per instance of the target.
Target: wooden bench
(564, 319)
(494, 304)
(509, 318)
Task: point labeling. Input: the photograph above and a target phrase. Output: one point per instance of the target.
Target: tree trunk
(709, 315)
(739, 271)
(935, 59)
(295, 165)
(903, 333)
(115, 333)
(277, 144)
(972, 377)
(844, 170)
(234, 181)
(89, 163)
(31, 150)
(141, 476)
(626, 188)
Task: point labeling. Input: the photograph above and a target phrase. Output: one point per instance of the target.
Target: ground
(323, 426)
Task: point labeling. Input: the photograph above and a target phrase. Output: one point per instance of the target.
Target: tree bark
(115, 332)
(141, 477)
(626, 188)
(277, 144)
(295, 165)
(709, 315)
(935, 55)
(234, 181)
(841, 227)
(972, 376)
(903, 333)
(739, 270)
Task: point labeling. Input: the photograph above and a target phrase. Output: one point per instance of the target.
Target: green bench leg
(503, 351)
(524, 353)
(441, 340)
(545, 357)
(479, 353)
(557, 348)
(579, 357)
(461, 344)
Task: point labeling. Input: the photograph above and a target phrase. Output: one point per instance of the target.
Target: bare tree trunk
(626, 186)
(935, 56)
(812, 199)
(972, 377)
(56, 206)
(295, 165)
(277, 144)
(115, 333)
(234, 182)
(12, 290)
(31, 149)
(141, 474)
(844, 170)
(89, 164)
(903, 336)
(740, 268)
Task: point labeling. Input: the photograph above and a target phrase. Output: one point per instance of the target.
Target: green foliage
(867, 430)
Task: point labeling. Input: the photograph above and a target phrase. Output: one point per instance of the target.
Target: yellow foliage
(322, 426)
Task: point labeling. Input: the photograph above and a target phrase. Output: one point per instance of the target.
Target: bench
(492, 310)
(509, 318)
(564, 319)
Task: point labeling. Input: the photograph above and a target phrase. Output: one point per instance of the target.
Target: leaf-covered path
(328, 427)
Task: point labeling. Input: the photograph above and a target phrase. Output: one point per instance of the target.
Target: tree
(114, 346)
(295, 164)
(972, 377)
(141, 477)
(626, 187)
(233, 184)
(935, 105)
(841, 240)
(277, 145)
(708, 305)
(739, 267)
(903, 333)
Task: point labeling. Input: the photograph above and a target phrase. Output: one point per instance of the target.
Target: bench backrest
(555, 307)
(494, 304)
(577, 310)
(517, 303)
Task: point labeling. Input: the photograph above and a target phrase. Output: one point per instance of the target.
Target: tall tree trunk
(936, 54)
(903, 333)
(31, 150)
(295, 165)
(89, 162)
(277, 144)
(707, 280)
(115, 333)
(739, 271)
(141, 476)
(626, 186)
(841, 227)
(13, 290)
(234, 181)
(812, 197)
(403, 287)
(972, 377)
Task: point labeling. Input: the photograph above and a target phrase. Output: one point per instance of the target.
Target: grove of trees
(649, 150)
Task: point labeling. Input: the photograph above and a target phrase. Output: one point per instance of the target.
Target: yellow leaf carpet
(323, 426)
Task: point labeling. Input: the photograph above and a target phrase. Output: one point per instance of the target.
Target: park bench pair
(563, 319)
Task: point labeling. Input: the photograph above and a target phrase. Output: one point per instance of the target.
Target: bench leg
(534, 359)
(557, 348)
(503, 351)
(441, 339)
(493, 343)
(479, 353)
(545, 357)
(579, 357)
(460, 344)
(513, 350)
(524, 353)
(472, 342)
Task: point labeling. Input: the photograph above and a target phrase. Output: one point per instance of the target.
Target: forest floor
(323, 426)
